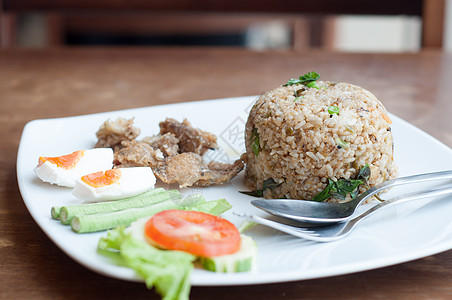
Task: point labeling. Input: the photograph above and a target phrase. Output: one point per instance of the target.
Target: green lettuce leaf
(166, 271)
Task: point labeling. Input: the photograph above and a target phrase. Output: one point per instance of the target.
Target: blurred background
(346, 25)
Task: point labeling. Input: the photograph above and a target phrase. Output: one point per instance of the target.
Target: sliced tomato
(194, 232)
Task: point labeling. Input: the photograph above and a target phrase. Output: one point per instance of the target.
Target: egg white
(133, 181)
(93, 160)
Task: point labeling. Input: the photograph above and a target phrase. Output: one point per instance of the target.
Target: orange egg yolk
(100, 179)
(65, 161)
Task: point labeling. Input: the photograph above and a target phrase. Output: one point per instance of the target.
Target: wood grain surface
(37, 84)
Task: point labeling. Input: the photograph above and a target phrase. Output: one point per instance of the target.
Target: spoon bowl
(322, 213)
(333, 232)
(307, 211)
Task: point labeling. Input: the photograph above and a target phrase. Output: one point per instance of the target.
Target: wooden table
(58, 83)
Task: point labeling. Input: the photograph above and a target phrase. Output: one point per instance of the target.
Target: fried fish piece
(184, 168)
(112, 133)
(190, 169)
(190, 139)
(175, 154)
(167, 143)
(218, 173)
(137, 154)
(149, 152)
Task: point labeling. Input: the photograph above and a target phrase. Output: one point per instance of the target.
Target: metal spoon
(337, 231)
(321, 213)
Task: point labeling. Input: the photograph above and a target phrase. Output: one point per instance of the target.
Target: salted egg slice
(114, 184)
(66, 169)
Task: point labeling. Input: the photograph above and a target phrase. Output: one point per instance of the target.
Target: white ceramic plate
(397, 234)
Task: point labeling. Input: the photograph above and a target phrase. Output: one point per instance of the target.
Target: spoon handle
(401, 199)
(400, 181)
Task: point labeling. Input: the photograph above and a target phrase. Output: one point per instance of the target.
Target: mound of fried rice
(299, 137)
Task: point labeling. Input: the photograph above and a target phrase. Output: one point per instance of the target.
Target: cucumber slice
(241, 261)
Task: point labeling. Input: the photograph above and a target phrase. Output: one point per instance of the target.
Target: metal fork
(337, 231)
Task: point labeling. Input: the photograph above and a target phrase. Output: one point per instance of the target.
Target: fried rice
(300, 139)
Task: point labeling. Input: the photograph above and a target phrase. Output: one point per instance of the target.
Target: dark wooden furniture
(311, 22)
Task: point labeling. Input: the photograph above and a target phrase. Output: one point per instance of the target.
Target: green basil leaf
(364, 173)
(339, 189)
(354, 193)
(305, 79)
(255, 193)
(270, 184)
(311, 76)
(325, 194)
(267, 184)
(342, 187)
(255, 142)
(312, 84)
(292, 81)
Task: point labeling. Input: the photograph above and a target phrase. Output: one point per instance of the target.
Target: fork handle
(401, 199)
(400, 181)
